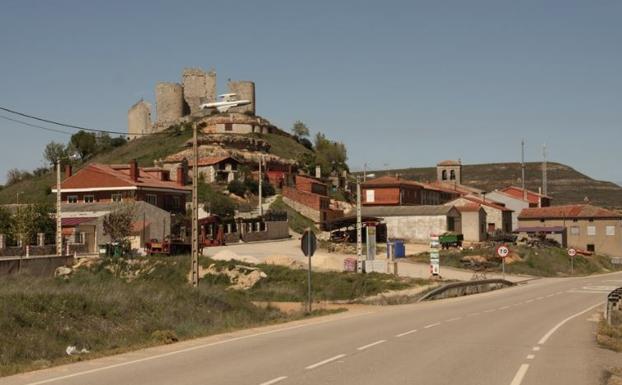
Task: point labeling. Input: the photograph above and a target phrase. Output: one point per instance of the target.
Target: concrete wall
(199, 87)
(415, 228)
(474, 226)
(139, 119)
(305, 210)
(38, 266)
(169, 102)
(245, 90)
(511, 203)
(577, 233)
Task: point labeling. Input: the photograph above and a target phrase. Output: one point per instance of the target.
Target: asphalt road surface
(534, 334)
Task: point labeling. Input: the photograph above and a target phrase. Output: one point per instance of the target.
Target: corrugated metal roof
(67, 222)
(397, 211)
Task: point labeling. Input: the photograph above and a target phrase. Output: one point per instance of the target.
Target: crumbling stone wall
(199, 87)
(169, 102)
(139, 119)
(245, 90)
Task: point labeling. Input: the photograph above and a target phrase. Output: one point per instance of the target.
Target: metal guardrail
(466, 288)
(614, 302)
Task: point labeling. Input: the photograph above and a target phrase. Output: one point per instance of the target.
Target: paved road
(534, 334)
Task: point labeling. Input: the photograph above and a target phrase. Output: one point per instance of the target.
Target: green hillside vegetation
(565, 184)
(283, 146)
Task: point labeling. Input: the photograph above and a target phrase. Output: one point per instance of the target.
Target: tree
(53, 152)
(30, 220)
(300, 129)
(84, 143)
(118, 224)
(215, 202)
(14, 175)
(330, 156)
(6, 221)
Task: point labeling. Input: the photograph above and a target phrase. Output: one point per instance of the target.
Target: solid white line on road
(539, 298)
(370, 345)
(554, 329)
(190, 349)
(431, 325)
(453, 319)
(406, 333)
(274, 381)
(504, 307)
(530, 356)
(489, 310)
(536, 348)
(472, 314)
(520, 374)
(529, 301)
(550, 295)
(326, 361)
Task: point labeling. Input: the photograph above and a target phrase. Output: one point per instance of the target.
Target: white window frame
(610, 230)
(591, 230)
(116, 197)
(72, 199)
(92, 196)
(575, 230)
(370, 196)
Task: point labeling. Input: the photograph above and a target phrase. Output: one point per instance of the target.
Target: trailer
(167, 247)
(448, 240)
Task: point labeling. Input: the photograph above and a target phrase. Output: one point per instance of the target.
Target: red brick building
(309, 196)
(101, 183)
(393, 191)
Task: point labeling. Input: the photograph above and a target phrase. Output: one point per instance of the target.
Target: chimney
(134, 170)
(68, 171)
(318, 172)
(181, 177)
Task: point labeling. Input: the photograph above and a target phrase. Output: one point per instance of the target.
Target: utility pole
(544, 171)
(359, 227)
(59, 222)
(522, 166)
(195, 209)
(260, 186)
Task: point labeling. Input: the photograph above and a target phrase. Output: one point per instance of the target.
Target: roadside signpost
(572, 252)
(435, 258)
(308, 245)
(503, 252)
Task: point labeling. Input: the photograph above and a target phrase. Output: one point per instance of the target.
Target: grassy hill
(145, 150)
(566, 185)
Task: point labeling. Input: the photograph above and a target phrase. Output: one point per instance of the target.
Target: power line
(72, 125)
(35, 126)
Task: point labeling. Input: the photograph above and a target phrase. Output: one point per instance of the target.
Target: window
(116, 197)
(151, 199)
(370, 196)
(610, 230)
(574, 230)
(444, 175)
(72, 199)
(591, 230)
(176, 202)
(89, 198)
(452, 175)
(591, 248)
(228, 126)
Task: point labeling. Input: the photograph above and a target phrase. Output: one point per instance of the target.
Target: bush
(236, 187)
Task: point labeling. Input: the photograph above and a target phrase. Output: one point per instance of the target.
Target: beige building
(473, 219)
(498, 217)
(587, 227)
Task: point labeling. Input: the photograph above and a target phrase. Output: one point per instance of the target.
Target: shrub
(237, 187)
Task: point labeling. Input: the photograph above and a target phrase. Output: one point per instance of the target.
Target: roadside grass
(545, 262)
(610, 336)
(283, 146)
(120, 305)
(297, 222)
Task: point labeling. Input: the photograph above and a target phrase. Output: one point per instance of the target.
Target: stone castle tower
(199, 87)
(139, 119)
(245, 90)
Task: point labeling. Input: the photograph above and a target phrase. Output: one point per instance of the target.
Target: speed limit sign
(572, 252)
(503, 251)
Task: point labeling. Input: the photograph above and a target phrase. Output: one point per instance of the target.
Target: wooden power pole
(59, 222)
(195, 209)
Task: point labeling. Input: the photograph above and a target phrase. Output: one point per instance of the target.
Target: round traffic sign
(503, 251)
(308, 243)
(572, 252)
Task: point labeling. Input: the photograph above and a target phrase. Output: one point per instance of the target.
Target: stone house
(498, 217)
(309, 196)
(587, 227)
(394, 191)
(216, 169)
(473, 218)
(516, 199)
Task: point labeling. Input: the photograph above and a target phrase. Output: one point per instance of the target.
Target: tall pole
(522, 166)
(195, 209)
(260, 186)
(309, 272)
(359, 226)
(544, 171)
(59, 222)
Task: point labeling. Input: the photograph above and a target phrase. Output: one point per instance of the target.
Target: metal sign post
(308, 244)
(359, 228)
(503, 252)
(572, 252)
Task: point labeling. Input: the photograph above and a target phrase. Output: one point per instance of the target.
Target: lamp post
(359, 225)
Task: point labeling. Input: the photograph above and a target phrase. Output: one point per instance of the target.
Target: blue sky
(400, 83)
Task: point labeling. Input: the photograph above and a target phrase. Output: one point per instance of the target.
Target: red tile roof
(391, 181)
(455, 187)
(469, 207)
(517, 192)
(209, 160)
(482, 202)
(97, 175)
(568, 212)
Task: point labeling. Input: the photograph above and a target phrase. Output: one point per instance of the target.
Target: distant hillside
(566, 185)
(145, 150)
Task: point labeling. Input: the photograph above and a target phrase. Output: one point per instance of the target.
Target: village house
(517, 199)
(216, 169)
(395, 191)
(498, 217)
(473, 220)
(101, 183)
(586, 227)
(309, 196)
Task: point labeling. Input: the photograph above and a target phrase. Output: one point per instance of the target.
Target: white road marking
(326, 361)
(559, 292)
(431, 325)
(453, 319)
(274, 381)
(370, 345)
(539, 298)
(529, 301)
(536, 348)
(520, 374)
(190, 349)
(554, 329)
(504, 307)
(406, 333)
(530, 356)
(550, 295)
(489, 310)
(472, 314)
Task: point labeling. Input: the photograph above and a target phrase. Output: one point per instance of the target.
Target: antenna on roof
(522, 166)
(544, 170)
